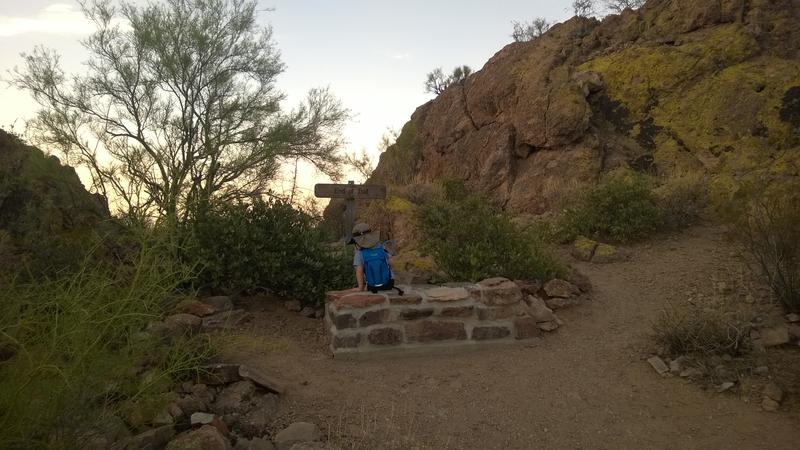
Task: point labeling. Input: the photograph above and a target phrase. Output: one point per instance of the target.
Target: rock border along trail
(586, 386)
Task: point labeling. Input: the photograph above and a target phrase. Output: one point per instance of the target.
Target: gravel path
(586, 386)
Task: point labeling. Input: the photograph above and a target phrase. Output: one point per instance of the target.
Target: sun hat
(364, 237)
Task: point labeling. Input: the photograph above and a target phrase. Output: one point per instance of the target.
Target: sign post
(350, 192)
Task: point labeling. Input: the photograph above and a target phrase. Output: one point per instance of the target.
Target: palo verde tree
(617, 6)
(178, 107)
(437, 82)
(528, 31)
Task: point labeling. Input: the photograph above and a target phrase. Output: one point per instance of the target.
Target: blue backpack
(376, 269)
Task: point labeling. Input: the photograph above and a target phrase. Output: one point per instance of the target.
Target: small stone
(254, 444)
(307, 312)
(175, 411)
(675, 367)
(233, 397)
(526, 328)
(548, 326)
(261, 414)
(500, 292)
(658, 364)
(266, 380)
(296, 433)
(770, 405)
(215, 374)
(293, 305)
(794, 331)
(605, 253)
(691, 372)
(319, 313)
(191, 404)
(562, 303)
(206, 438)
(154, 438)
(774, 392)
(201, 418)
(196, 308)
(163, 418)
(539, 310)
(183, 324)
(761, 370)
(774, 336)
(385, 336)
(225, 319)
(583, 248)
(793, 318)
(725, 386)
(488, 333)
(561, 289)
(529, 287)
(726, 357)
(221, 302)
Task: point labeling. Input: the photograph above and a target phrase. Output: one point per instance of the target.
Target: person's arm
(362, 286)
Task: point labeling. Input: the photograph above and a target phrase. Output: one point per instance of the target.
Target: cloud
(401, 56)
(58, 18)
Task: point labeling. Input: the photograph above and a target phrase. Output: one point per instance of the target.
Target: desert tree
(617, 6)
(583, 8)
(178, 107)
(528, 31)
(438, 82)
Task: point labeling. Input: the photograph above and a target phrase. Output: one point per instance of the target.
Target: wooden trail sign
(350, 192)
(353, 191)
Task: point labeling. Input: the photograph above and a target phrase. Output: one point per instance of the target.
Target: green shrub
(267, 246)
(769, 229)
(621, 208)
(78, 344)
(682, 200)
(471, 241)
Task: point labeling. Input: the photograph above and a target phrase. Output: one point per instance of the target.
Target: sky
(373, 54)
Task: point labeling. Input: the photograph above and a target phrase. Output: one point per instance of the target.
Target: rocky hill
(47, 218)
(697, 86)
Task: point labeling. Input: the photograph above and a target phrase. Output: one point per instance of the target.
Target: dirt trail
(586, 386)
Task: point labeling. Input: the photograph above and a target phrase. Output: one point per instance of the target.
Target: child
(371, 261)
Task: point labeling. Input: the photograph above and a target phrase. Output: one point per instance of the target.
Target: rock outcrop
(676, 86)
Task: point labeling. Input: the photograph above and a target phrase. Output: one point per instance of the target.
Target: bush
(682, 201)
(266, 246)
(770, 232)
(621, 208)
(700, 331)
(471, 241)
(76, 347)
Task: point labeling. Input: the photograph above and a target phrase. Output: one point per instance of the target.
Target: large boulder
(204, 438)
(296, 433)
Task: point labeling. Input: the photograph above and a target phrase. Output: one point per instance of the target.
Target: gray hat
(364, 237)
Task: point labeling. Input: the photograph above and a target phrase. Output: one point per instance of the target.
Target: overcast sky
(374, 54)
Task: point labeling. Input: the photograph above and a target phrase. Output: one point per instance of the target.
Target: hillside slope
(679, 86)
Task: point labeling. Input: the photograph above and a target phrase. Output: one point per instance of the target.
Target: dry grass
(391, 427)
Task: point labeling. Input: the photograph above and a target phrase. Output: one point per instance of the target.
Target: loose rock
(539, 310)
(293, 305)
(204, 438)
(225, 319)
(584, 248)
(183, 323)
(658, 364)
(233, 397)
(263, 379)
(774, 392)
(774, 336)
(561, 289)
(221, 302)
(196, 308)
(296, 433)
(725, 386)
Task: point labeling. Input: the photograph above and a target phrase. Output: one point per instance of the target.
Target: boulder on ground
(583, 248)
(262, 378)
(605, 253)
(180, 324)
(220, 302)
(197, 308)
(155, 438)
(774, 336)
(558, 288)
(296, 433)
(234, 397)
(539, 310)
(225, 319)
(261, 412)
(199, 419)
(204, 438)
(254, 444)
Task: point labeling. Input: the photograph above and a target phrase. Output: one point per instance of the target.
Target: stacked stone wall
(492, 311)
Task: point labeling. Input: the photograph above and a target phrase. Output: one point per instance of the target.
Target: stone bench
(463, 314)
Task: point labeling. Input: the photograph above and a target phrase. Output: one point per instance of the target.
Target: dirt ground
(586, 386)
